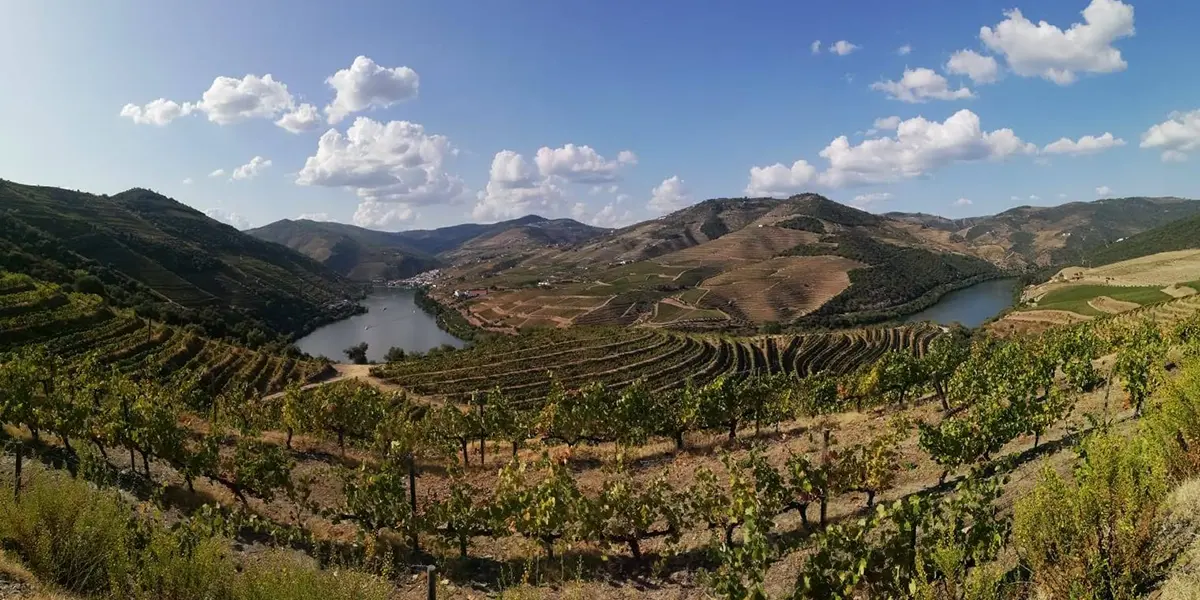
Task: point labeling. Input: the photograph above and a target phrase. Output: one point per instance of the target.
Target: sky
(412, 114)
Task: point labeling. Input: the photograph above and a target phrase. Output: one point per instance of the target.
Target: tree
(675, 412)
(357, 353)
(394, 354)
(627, 512)
(1139, 363)
(946, 352)
(546, 509)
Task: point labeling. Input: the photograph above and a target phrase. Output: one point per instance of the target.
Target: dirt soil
(1111, 305)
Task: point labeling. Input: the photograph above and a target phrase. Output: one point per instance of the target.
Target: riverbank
(447, 318)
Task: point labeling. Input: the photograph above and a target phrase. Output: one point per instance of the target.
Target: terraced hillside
(522, 365)
(141, 249)
(70, 325)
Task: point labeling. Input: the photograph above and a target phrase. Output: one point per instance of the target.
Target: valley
(619, 412)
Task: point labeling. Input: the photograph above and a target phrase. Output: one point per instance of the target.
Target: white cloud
(581, 164)
(669, 196)
(623, 198)
(963, 202)
(1062, 196)
(608, 216)
(229, 218)
(863, 200)
(1044, 50)
(1086, 145)
(217, 173)
(1176, 136)
(229, 100)
(816, 46)
(385, 164)
(367, 85)
(158, 112)
(904, 50)
(884, 124)
(382, 215)
(187, 181)
(981, 69)
(320, 216)
(251, 169)
(1015, 198)
(1104, 190)
(779, 180)
(920, 146)
(842, 47)
(1034, 198)
(303, 118)
(921, 85)
(513, 190)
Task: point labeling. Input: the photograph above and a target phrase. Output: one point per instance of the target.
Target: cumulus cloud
(1104, 190)
(217, 173)
(1043, 50)
(251, 169)
(581, 164)
(864, 200)
(981, 69)
(303, 118)
(158, 112)
(884, 124)
(921, 85)
(367, 85)
(513, 190)
(963, 202)
(1175, 137)
(904, 50)
(779, 180)
(842, 47)
(227, 217)
(1034, 198)
(229, 100)
(1087, 144)
(187, 181)
(612, 217)
(392, 167)
(320, 216)
(920, 146)
(815, 47)
(669, 196)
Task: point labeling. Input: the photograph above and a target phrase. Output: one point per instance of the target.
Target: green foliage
(1139, 362)
(394, 354)
(1099, 536)
(357, 353)
(803, 223)
(541, 503)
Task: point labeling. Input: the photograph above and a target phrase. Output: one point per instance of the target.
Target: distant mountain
(1055, 235)
(1183, 234)
(170, 261)
(365, 254)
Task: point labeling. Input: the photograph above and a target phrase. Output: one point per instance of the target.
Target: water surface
(392, 319)
(970, 306)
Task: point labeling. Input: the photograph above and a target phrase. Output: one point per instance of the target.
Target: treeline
(449, 319)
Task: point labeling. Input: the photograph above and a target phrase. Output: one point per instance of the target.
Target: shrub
(278, 576)
(1105, 534)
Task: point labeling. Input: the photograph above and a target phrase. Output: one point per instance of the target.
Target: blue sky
(635, 107)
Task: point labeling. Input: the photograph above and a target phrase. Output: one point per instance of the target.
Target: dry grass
(1110, 305)
(747, 245)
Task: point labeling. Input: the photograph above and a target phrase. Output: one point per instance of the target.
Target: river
(392, 319)
(970, 306)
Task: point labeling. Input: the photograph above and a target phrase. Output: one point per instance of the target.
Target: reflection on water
(970, 306)
(392, 319)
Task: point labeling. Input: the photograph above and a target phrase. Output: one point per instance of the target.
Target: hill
(1183, 234)
(1055, 235)
(71, 325)
(171, 262)
(365, 254)
(731, 262)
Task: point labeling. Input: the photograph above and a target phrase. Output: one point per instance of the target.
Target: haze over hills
(170, 261)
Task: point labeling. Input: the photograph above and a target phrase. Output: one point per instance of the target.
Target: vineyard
(902, 462)
(661, 360)
(71, 326)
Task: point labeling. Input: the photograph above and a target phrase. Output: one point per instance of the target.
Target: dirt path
(362, 373)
